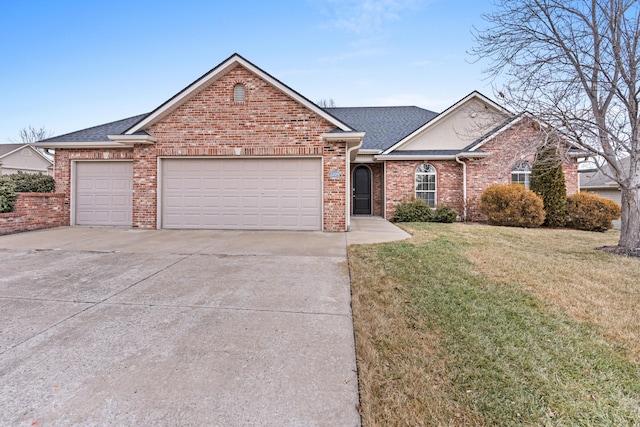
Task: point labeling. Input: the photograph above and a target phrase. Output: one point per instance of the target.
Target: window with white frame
(426, 184)
(521, 174)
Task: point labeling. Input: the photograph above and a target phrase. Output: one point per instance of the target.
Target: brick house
(238, 149)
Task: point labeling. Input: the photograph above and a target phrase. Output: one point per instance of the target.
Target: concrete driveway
(104, 326)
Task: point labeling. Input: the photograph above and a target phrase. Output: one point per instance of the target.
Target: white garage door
(257, 194)
(103, 193)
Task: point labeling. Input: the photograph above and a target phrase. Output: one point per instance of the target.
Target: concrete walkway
(108, 326)
(369, 230)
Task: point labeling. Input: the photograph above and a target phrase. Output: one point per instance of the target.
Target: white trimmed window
(521, 174)
(239, 93)
(426, 184)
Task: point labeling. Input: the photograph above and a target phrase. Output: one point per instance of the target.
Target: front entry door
(362, 191)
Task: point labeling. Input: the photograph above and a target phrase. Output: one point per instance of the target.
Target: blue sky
(67, 65)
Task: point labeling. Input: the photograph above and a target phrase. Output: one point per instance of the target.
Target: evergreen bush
(512, 205)
(417, 211)
(413, 211)
(445, 214)
(7, 194)
(590, 212)
(32, 183)
(547, 181)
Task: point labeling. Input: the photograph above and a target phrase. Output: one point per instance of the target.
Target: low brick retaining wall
(34, 211)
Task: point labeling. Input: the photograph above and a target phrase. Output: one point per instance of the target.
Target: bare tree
(32, 134)
(327, 103)
(575, 65)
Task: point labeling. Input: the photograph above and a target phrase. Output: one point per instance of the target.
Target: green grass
(502, 355)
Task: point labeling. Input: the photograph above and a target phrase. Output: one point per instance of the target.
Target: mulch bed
(617, 250)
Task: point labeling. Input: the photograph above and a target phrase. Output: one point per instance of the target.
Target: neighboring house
(598, 181)
(25, 158)
(238, 149)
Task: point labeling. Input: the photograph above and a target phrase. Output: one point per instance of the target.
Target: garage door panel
(103, 193)
(243, 193)
(212, 183)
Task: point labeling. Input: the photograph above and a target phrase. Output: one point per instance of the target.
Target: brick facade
(516, 144)
(267, 123)
(270, 123)
(34, 211)
(400, 175)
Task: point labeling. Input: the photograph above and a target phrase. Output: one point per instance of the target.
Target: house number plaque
(334, 174)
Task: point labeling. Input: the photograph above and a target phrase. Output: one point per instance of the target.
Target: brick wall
(401, 183)
(34, 211)
(268, 123)
(145, 187)
(211, 124)
(512, 146)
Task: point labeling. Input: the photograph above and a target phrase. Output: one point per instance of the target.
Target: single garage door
(254, 194)
(104, 193)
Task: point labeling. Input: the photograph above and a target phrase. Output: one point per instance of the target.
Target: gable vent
(239, 93)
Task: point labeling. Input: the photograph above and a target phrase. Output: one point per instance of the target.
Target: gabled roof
(216, 73)
(8, 149)
(599, 178)
(384, 126)
(96, 133)
(444, 115)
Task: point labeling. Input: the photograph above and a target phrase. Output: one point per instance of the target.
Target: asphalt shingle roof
(384, 126)
(599, 177)
(98, 133)
(8, 148)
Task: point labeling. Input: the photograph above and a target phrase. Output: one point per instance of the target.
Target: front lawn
(484, 326)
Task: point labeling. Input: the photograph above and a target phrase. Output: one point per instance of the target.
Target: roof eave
(443, 115)
(613, 186)
(131, 140)
(343, 136)
(463, 155)
(78, 144)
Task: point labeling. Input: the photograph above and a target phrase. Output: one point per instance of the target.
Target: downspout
(464, 187)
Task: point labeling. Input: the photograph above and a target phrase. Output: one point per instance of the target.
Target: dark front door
(362, 191)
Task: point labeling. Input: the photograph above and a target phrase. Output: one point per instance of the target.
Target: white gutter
(464, 187)
(131, 140)
(354, 142)
(90, 144)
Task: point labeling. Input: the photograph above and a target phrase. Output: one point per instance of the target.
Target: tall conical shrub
(547, 181)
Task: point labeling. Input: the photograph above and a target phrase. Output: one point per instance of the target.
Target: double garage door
(257, 194)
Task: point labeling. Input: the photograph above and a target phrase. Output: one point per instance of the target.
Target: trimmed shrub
(590, 212)
(418, 211)
(7, 194)
(444, 213)
(32, 183)
(547, 181)
(413, 211)
(512, 205)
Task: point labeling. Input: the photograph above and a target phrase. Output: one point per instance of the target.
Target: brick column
(145, 186)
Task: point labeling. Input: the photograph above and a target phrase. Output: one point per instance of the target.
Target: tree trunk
(630, 218)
